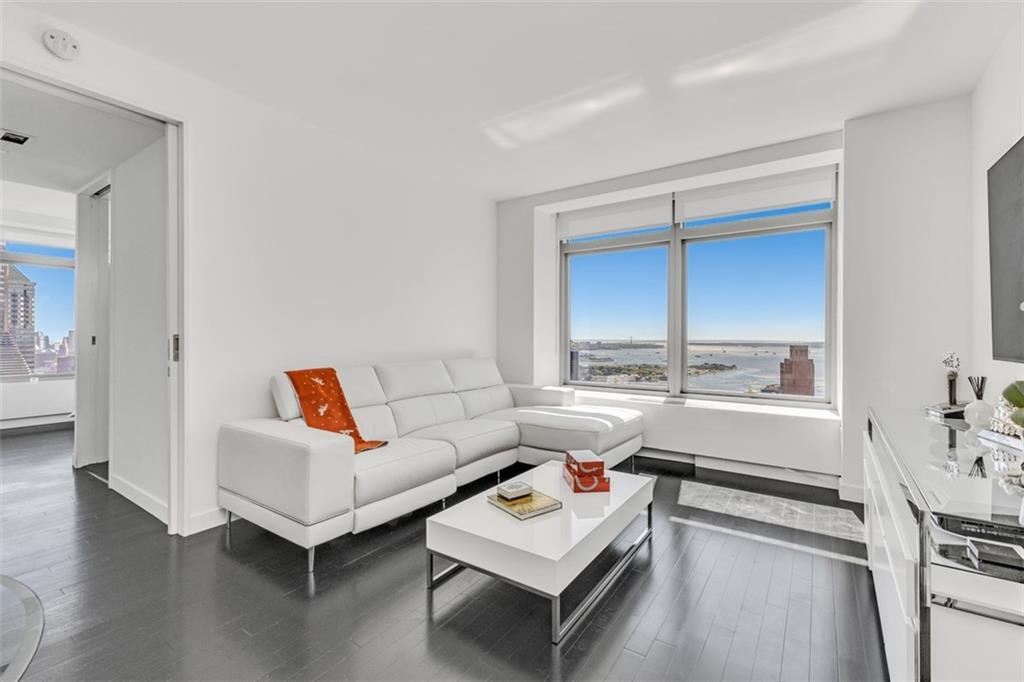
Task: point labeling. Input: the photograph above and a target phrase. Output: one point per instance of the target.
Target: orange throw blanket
(324, 406)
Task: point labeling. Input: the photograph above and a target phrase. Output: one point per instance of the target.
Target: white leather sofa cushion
(473, 439)
(360, 384)
(531, 396)
(470, 373)
(284, 397)
(577, 427)
(426, 410)
(409, 379)
(375, 422)
(480, 401)
(401, 465)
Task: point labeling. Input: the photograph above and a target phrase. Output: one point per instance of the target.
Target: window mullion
(676, 316)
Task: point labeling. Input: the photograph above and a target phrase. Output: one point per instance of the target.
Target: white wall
(907, 260)
(22, 402)
(997, 122)
(299, 248)
(806, 440)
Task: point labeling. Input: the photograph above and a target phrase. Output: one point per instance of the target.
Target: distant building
(574, 365)
(66, 364)
(796, 373)
(45, 361)
(17, 320)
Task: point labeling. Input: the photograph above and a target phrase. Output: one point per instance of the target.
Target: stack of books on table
(522, 501)
(584, 472)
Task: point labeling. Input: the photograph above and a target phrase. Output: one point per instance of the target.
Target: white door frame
(89, 190)
(176, 137)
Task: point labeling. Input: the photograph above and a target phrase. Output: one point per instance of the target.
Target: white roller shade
(789, 189)
(627, 215)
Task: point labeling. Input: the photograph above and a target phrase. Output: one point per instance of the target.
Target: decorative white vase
(978, 414)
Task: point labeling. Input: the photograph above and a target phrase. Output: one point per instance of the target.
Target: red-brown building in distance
(797, 372)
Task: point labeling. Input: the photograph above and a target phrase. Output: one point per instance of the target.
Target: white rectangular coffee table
(546, 553)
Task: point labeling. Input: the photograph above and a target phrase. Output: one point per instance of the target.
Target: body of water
(757, 363)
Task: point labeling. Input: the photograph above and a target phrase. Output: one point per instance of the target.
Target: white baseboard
(747, 468)
(851, 493)
(204, 520)
(133, 493)
(767, 471)
(667, 455)
(54, 420)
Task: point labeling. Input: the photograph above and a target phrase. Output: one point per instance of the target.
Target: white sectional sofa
(446, 422)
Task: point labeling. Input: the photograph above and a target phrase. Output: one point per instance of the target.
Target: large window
(618, 327)
(37, 310)
(755, 314)
(722, 302)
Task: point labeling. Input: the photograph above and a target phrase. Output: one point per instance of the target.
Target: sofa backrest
(420, 394)
(394, 399)
(363, 392)
(479, 385)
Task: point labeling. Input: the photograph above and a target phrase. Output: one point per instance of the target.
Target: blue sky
(764, 288)
(55, 291)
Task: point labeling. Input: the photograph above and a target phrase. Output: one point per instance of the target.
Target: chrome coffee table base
(559, 629)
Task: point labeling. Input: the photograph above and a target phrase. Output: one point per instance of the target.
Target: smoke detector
(61, 44)
(14, 138)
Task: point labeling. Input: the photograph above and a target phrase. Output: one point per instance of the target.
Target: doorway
(90, 307)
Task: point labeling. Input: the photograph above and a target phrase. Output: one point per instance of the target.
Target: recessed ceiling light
(13, 137)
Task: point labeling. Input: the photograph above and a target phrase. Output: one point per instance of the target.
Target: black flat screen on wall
(1006, 253)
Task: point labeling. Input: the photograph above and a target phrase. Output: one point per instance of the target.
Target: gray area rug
(815, 518)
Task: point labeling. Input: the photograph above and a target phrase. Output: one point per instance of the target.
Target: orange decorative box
(584, 463)
(585, 484)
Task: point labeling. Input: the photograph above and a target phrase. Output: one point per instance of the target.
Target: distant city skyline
(55, 289)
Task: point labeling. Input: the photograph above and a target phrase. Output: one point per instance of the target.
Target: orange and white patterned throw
(324, 406)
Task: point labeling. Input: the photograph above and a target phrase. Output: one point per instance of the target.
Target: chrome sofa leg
(444, 503)
(229, 521)
(499, 476)
(311, 557)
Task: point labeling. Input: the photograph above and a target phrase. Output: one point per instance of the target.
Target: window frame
(16, 258)
(677, 342)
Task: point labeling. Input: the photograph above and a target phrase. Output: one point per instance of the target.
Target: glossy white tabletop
(551, 535)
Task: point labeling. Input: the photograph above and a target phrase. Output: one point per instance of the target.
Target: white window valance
(816, 185)
(627, 215)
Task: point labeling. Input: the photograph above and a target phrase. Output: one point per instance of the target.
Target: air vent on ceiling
(13, 137)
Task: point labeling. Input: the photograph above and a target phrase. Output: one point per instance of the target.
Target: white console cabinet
(892, 558)
(930, 492)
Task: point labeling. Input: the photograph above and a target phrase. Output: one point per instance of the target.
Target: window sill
(823, 411)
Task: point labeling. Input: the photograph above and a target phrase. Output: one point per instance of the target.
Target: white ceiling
(74, 139)
(514, 98)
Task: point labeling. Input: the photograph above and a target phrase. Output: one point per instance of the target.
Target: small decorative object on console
(513, 490)
(951, 361)
(1008, 419)
(978, 413)
(943, 411)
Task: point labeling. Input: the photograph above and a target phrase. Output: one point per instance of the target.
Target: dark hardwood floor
(124, 600)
